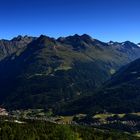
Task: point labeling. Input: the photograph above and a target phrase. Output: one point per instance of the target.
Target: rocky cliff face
(7, 47)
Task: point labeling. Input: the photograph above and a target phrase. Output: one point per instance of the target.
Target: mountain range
(68, 74)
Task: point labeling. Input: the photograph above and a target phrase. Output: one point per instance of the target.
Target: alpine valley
(70, 88)
(69, 74)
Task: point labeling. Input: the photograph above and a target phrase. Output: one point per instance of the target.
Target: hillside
(47, 71)
(121, 94)
(36, 130)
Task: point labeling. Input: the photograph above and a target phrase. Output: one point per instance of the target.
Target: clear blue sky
(116, 20)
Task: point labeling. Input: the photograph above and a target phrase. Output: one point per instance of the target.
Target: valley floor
(40, 130)
(36, 124)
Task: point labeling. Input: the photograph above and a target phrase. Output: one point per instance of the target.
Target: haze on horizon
(116, 20)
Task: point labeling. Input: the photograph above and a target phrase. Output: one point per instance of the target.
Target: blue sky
(116, 20)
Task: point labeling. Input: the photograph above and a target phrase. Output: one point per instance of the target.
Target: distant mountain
(7, 47)
(45, 72)
(138, 44)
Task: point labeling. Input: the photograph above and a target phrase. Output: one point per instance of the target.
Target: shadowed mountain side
(121, 94)
(49, 71)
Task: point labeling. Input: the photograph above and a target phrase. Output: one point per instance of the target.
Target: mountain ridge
(46, 71)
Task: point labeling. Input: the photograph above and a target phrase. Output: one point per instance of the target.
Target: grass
(65, 119)
(138, 113)
(65, 68)
(105, 116)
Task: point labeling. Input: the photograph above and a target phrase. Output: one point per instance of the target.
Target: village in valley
(3, 112)
(127, 122)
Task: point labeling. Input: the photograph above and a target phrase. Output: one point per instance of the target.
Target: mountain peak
(86, 36)
(129, 44)
(138, 44)
(22, 38)
(44, 40)
(45, 37)
(111, 42)
(76, 35)
(18, 38)
(83, 36)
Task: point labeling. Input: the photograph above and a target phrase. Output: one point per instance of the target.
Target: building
(3, 112)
